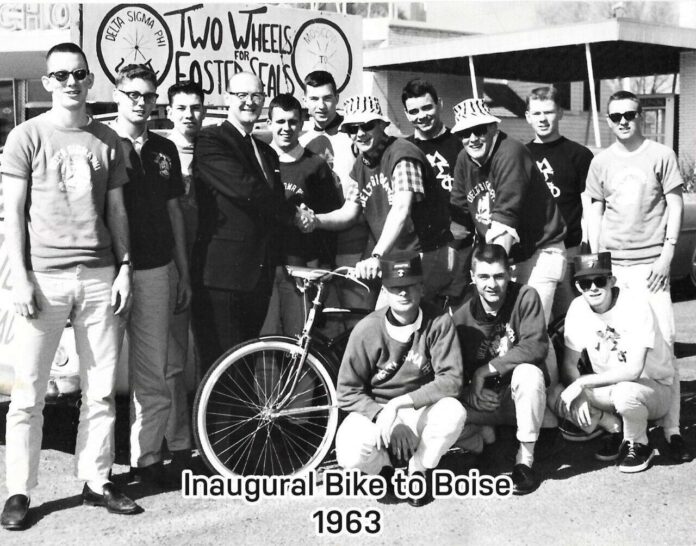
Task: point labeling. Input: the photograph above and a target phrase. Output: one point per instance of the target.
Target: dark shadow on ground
(684, 350)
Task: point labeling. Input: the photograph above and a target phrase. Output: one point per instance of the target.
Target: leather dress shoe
(155, 474)
(427, 497)
(111, 498)
(16, 512)
(678, 450)
(524, 480)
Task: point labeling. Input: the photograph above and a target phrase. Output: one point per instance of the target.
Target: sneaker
(573, 433)
(638, 458)
(611, 447)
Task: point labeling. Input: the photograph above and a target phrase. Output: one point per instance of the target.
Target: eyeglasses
(353, 128)
(586, 283)
(63, 75)
(478, 130)
(135, 96)
(628, 116)
(257, 98)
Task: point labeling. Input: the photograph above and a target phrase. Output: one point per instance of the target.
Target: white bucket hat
(470, 113)
(361, 109)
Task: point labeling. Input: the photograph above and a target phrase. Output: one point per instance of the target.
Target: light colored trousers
(150, 397)
(543, 271)
(634, 401)
(83, 295)
(178, 432)
(437, 427)
(523, 404)
(633, 279)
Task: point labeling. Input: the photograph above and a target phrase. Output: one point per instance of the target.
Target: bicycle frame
(303, 344)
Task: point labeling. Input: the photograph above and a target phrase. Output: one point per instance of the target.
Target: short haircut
(319, 78)
(186, 87)
(286, 102)
(418, 87)
(489, 253)
(545, 93)
(136, 72)
(68, 47)
(625, 95)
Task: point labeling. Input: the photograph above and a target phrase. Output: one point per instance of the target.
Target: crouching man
(399, 379)
(503, 337)
(632, 367)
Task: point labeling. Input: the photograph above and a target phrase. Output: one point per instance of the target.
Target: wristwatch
(125, 262)
(376, 255)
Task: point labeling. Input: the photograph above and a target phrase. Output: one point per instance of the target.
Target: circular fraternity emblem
(134, 34)
(320, 44)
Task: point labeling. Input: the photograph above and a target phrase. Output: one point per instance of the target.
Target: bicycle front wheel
(249, 421)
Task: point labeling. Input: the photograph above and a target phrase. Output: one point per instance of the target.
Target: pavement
(580, 500)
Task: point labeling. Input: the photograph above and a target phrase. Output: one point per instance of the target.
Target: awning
(620, 48)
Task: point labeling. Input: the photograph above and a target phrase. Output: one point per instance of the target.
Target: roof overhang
(619, 47)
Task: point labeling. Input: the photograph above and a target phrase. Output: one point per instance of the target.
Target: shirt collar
(290, 156)
(238, 126)
(333, 124)
(138, 141)
(403, 333)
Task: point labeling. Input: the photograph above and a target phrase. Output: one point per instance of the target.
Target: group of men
(120, 229)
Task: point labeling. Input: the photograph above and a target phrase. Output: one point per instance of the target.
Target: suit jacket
(240, 213)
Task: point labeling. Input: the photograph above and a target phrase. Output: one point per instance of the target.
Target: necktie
(259, 160)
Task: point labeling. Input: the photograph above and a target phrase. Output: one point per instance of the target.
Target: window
(7, 117)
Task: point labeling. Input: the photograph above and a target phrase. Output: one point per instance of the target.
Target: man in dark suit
(241, 210)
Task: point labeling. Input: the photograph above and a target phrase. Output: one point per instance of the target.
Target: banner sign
(208, 43)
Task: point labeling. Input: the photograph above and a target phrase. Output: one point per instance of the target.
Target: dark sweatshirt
(377, 368)
(515, 335)
(507, 188)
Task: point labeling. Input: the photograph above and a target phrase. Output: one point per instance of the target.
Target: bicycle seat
(306, 273)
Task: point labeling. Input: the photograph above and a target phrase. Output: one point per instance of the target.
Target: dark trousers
(225, 318)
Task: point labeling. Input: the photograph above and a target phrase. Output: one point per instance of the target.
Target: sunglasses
(352, 128)
(63, 75)
(478, 130)
(628, 116)
(135, 96)
(586, 284)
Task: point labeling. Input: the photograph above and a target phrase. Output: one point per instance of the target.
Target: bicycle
(269, 406)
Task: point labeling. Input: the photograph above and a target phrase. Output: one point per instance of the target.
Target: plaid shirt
(406, 176)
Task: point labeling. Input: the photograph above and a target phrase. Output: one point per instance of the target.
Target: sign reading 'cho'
(208, 43)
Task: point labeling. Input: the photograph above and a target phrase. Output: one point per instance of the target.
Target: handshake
(305, 219)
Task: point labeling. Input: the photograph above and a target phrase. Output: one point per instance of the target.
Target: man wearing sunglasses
(157, 236)
(636, 213)
(631, 365)
(395, 188)
(498, 184)
(67, 243)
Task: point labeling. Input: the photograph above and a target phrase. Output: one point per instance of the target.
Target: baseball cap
(401, 270)
(592, 265)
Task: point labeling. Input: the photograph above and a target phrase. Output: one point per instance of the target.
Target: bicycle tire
(234, 423)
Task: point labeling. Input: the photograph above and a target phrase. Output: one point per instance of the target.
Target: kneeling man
(632, 366)
(502, 332)
(399, 379)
